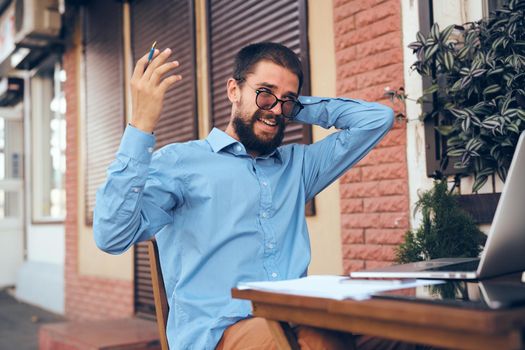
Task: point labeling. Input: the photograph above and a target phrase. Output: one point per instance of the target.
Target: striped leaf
(491, 89)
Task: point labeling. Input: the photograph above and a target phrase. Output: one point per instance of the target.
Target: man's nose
(277, 109)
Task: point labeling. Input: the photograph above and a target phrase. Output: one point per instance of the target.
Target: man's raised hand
(148, 86)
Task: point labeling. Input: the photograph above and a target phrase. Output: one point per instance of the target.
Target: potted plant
(478, 88)
(446, 230)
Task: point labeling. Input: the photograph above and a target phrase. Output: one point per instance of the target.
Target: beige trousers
(253, 333)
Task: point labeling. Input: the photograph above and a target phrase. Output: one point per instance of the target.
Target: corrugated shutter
(104, 92)
(234, 24)
(171, 24)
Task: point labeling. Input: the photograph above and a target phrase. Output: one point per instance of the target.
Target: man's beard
(245, 132)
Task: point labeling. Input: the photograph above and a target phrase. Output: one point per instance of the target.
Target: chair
(159, 292)
(282, 332)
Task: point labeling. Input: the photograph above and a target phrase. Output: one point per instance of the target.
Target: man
(230, 208)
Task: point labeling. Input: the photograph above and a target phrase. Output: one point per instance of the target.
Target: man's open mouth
(269, 122)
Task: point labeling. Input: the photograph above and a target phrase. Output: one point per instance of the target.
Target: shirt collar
(219, 140)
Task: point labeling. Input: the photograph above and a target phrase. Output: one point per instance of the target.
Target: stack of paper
(334, 287)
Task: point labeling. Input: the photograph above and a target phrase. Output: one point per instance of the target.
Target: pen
(151, 52)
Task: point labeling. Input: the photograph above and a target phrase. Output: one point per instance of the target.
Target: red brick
(351, 206)
(359, 190)
(393, 220)
(371, 264)
(368, 252)
(384, 171)
(384, 155)
(353, 236)
(352, 175)
(384, 236)
(345, 56)
(392, 187)
(360, 220)
(377, 45)
(389, 61)
(377, 13)
(367, 33)
(378, 75)
(352, 265)
(394, 138)
(385, 204)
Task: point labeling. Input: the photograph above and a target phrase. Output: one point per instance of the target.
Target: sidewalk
(19, 323)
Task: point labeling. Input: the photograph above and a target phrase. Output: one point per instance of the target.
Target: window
(435, 143)
(48, 127)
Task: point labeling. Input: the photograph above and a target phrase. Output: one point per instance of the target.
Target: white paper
(334, 287)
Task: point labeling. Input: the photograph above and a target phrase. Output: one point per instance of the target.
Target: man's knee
(251, 333)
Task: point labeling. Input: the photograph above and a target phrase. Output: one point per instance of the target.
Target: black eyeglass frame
(277, 100)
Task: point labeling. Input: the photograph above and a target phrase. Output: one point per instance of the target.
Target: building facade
(349, 48)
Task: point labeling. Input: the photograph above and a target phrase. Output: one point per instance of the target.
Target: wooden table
(437, 325)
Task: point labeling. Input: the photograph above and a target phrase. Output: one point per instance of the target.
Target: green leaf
(502, 173)
(479, 182)
(497, 42)
(458, 113)
(462, 53)
(473, 144)
(434, 31)
(449, 60)
(420, 37)
(513, 128)
(445, 130)
(491, 89)
(446, 33)
(478, 72)
(495, 71)
(521, 114)
(456, 152)
(465, 81)
(431, 89)
(430, 52)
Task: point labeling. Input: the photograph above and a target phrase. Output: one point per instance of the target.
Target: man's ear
(234, 91)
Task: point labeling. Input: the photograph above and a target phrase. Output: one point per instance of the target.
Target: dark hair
(249, 56)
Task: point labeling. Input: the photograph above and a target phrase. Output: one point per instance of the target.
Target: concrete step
(122, 334)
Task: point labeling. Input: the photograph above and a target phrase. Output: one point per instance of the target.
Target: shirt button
(270, 246)
(274, 274)
(265, 183)
(135, 189)
(264, 215)
(150, 149)
(237, 148)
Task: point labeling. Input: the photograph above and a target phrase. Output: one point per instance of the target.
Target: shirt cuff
(137, 144)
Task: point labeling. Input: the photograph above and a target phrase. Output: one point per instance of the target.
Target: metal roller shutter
(104, 92)
(234, 24)
(171, 24)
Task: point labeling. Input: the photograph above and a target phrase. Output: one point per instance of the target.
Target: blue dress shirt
(220, 216)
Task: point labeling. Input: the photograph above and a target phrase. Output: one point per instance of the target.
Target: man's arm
(137, 197)
(362, 125)
(139, 194)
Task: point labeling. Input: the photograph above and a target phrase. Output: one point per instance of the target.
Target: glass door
(11, 193)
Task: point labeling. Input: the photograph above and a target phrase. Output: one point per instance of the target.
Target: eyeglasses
(266, 100)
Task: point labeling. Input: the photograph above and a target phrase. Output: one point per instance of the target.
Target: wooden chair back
(159, 292)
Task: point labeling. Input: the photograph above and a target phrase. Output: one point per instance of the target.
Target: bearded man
(230, 208)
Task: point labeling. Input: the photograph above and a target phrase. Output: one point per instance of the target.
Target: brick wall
(86, 297)
(374, 194)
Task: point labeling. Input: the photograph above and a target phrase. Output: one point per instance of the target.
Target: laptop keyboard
(462, 266)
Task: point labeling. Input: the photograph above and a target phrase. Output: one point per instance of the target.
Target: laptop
(492, 294)
(503, 251)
